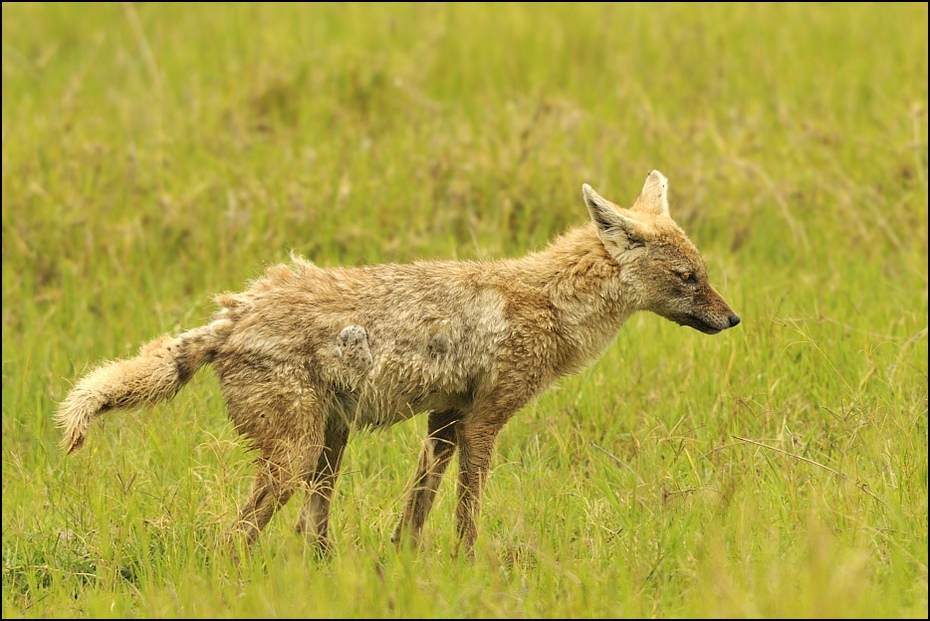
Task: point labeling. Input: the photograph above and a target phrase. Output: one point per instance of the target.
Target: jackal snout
(685, 295)
(711, 314)
(689, 300)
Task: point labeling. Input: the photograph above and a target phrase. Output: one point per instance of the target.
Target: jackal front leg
(476, 444)
(438, 449)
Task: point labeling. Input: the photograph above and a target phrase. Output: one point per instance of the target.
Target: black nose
(734, 319)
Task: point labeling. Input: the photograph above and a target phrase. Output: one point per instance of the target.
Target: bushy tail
(162, 367)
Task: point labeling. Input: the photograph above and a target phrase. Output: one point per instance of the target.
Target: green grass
(156, 154)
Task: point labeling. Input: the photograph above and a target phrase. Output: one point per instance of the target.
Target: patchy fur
(305, 353)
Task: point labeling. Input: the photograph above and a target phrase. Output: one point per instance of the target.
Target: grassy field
(156, 154)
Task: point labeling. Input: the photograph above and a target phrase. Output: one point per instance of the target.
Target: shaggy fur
(305, 354)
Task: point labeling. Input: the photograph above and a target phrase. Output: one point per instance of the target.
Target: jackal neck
(573, 291)
(575, 266)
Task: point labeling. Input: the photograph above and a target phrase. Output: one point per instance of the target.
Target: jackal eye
(687, 276)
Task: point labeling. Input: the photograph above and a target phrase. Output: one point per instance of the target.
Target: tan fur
(306, 353)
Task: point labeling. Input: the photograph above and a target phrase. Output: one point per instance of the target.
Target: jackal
(305, 354)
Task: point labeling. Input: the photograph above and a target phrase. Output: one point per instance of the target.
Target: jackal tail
(156, 374)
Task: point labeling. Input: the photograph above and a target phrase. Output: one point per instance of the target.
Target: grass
(156, 154)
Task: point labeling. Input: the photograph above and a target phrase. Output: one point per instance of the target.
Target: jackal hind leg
(290, 446)
(438, 449)
(314, 517)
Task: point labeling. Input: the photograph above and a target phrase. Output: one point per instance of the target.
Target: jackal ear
(654, 197)
(609, 221)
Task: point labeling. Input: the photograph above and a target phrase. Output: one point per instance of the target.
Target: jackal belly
(396, 388)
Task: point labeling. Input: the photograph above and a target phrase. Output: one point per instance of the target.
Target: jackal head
(660, 267)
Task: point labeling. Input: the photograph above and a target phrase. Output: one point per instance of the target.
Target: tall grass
(156, 154)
